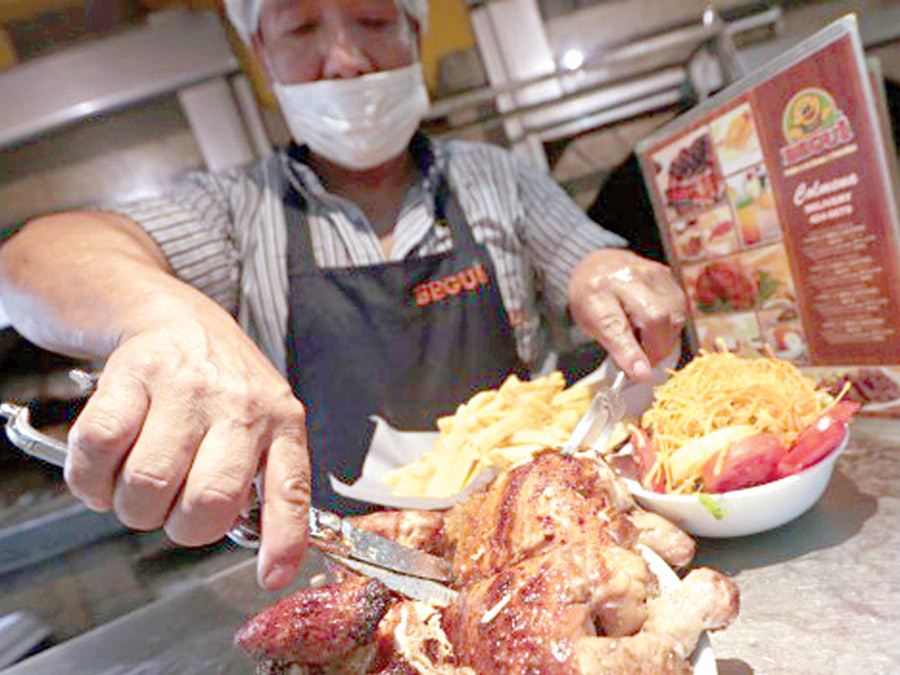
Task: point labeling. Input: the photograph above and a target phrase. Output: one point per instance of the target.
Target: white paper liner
(391, 448)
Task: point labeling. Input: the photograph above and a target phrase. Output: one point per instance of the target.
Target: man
(380, 272)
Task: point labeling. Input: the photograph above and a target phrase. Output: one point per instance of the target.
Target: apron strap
(298, 236)
(447, 209)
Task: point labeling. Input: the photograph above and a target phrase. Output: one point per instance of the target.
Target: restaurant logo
(813, 125)
(466, 280)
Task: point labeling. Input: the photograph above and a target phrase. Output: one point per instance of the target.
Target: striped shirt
(226, 234)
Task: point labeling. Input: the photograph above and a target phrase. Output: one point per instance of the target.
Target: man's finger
(285, 512)
(661, 340)
(658, 321)
(102, 435)
(217, 485)
(155, 469)
(655, 306)
(604, 319)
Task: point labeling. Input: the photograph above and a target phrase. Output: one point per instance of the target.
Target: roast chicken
(552, 580)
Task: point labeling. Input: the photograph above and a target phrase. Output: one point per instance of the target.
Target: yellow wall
(18, 10)
(449, 31)
(8, 56)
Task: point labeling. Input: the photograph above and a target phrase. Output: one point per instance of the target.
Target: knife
(328, 531)
(426, 590)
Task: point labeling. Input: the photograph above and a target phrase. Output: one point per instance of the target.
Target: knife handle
(32, 442)
(246, 531)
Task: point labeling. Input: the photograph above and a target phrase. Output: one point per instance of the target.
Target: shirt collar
(430, 157)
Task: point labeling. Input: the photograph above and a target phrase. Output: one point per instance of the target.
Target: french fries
(494, 429)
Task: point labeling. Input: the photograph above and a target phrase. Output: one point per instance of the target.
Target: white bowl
(747, 511)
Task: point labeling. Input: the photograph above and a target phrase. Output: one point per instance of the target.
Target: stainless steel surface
(44, 537)
(820, 595)
(187, 633)
(587, 106)
(326, 529)
(603, 413)
(70, 85)
(250, 112)
(540, 99)
(615, 411)
(215, 118)
(20, 632)
(879, 24)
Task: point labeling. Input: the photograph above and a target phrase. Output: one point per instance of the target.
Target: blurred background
(112, 100)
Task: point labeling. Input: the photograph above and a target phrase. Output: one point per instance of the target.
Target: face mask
(359, 123)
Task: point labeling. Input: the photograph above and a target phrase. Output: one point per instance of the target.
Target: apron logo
(468, 279)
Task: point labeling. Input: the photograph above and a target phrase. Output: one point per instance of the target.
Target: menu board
(777, 204)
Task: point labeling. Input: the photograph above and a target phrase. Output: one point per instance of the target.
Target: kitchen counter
(822, 594)
(819, 595)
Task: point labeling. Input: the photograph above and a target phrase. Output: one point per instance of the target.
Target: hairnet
(244, 15)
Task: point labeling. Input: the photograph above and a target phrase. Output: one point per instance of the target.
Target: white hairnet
(244, 15)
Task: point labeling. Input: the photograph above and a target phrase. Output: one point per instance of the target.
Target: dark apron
(408, 341)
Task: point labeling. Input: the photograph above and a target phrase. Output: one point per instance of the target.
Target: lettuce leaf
(711, 505)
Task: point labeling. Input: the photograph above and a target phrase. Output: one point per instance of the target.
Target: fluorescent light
(572, 59)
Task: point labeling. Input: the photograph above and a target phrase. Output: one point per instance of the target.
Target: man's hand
(187, 409)
(181, 420)
(631, 305)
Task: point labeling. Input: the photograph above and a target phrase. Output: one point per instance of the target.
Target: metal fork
(599, 421)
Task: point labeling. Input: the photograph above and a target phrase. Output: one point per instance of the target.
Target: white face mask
(359, 123)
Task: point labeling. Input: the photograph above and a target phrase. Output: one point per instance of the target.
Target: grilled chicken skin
(317, 625)
(550, 581)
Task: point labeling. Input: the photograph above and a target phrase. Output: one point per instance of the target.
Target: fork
(599, 421)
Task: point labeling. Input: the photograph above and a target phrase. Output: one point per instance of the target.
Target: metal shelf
(176, 50)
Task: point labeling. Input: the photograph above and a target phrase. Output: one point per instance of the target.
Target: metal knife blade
(425, 590)
(372, 548)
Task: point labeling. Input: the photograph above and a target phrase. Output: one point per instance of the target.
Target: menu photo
(756, 283)
(736, 139)
(711, 232)
(716, 188)
(688, 176)
(750, 194)
(724, 230)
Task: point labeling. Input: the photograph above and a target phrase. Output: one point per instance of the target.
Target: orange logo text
(468, 279)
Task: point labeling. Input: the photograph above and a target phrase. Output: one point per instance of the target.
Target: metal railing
(607, 88)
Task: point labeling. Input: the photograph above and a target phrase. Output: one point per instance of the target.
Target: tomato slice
(645, 456)
(818, 440)
(748, 462)
(843, 411)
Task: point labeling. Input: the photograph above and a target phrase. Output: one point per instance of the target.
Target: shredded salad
(721, 397)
